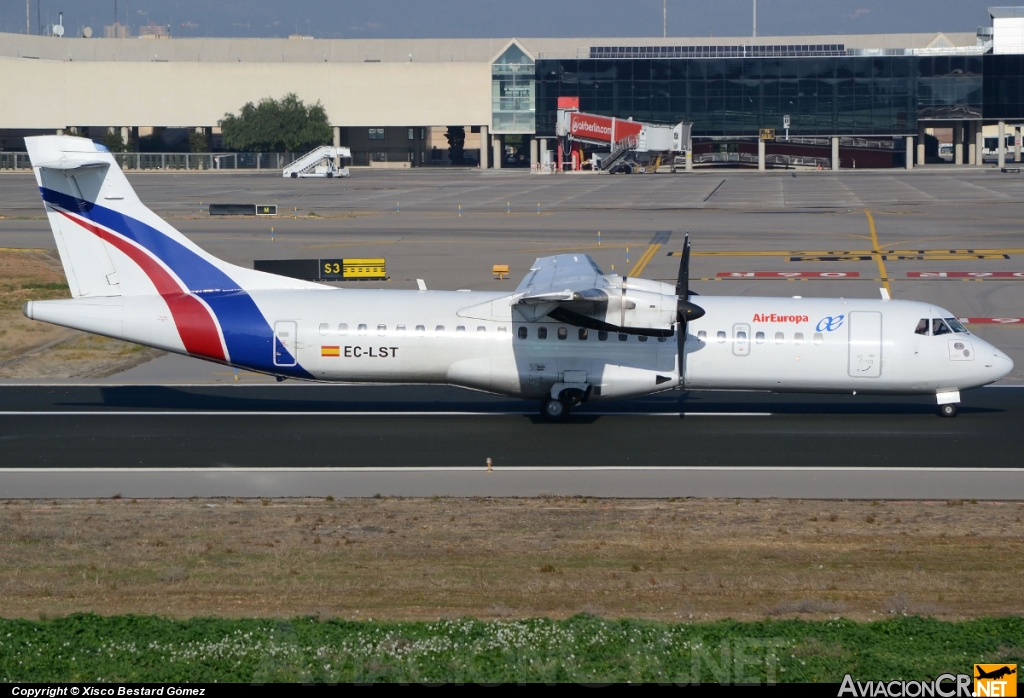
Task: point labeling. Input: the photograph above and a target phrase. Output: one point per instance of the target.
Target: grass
(423, 559)
(580, 649)
(32, 349)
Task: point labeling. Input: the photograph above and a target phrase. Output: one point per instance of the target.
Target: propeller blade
(685, 310)
(683, 281)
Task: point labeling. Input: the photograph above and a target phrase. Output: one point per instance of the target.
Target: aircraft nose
(998, 363)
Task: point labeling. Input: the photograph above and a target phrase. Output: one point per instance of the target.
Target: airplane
(568, 334)
(995, 673)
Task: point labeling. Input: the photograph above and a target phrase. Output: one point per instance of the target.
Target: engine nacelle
(643, 310)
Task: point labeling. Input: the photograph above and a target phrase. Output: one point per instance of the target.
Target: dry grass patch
(428, 558)
(32, 349)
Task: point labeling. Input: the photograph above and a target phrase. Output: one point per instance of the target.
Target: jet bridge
(631, 145)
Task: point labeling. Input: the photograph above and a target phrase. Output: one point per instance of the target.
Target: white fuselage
(475, 340)
(134, 277)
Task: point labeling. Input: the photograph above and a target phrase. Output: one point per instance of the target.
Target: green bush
(580, 649)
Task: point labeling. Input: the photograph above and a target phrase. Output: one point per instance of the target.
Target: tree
(115, 144)
(277, 125)
(197, 142)
(456, 136)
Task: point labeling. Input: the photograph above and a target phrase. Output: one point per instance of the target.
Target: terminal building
(858, 100)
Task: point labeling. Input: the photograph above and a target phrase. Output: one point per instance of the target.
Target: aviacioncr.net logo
(830, 323)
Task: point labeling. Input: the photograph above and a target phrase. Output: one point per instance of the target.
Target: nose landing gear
(948, 401)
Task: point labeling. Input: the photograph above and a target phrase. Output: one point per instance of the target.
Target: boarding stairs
(620, 155)
(320, 162)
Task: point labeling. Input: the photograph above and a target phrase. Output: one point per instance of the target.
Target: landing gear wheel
(948, 410)
(554, 410)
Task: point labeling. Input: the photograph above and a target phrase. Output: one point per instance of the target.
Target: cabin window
(623, 336)
(602, 336)
(702, 335)
(502, 329)
(523, 333)
(583, 334)
(939, 327)
(439, 329)
(922, 326)
(542, 333)
(400, 330)
(382, 330)
(955, 324)
(642, 338)
(562, 333)
(361, 329)
(420, 330)
(721, 337)
(759, 337)
(460, 328)
(481, 328)
(662, 339)
(343, 328)
(780, 338)
(325, 329)
(741, 335)
(819, 339)
(798, 338)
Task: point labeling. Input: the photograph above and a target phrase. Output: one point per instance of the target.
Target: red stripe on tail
(195, 325)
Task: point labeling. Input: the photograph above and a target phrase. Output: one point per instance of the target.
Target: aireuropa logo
(995, 680)
(830, 323)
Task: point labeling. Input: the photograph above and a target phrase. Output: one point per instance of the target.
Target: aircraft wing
(561, 278)
(571, 288)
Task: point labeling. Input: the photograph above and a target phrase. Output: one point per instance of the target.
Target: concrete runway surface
(420, 441)
(253, 439)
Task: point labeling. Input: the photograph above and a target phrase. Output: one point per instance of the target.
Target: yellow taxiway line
(876, 254)
(644, 259)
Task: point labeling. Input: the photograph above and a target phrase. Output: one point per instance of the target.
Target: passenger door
(865, 345)
(741, 340)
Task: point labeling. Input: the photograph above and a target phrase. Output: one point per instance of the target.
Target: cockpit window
(939, 327)
(955, 324)
(922, 326)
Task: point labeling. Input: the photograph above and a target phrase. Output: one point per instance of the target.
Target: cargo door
(865, 345)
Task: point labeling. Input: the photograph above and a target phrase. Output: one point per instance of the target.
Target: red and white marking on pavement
(992, 320)
(965, 274)
(788, 274)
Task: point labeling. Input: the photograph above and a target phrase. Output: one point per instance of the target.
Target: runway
(813, 234)
(313, 440)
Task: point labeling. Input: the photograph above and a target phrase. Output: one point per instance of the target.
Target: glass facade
(513, 81)
(824, 96)
(1004, 86)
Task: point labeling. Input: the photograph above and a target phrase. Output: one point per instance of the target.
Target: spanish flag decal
(330, 351)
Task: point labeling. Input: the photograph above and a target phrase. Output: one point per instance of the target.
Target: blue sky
(491, 18)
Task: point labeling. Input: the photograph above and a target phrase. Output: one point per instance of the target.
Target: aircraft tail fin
(110, 243)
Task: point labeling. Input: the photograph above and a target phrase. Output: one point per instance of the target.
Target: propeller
(686, 311)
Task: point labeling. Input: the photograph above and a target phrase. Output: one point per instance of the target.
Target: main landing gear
(948, 410)
(556, 410)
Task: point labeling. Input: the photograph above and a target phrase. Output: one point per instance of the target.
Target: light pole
(664, 18)
(755, 17)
